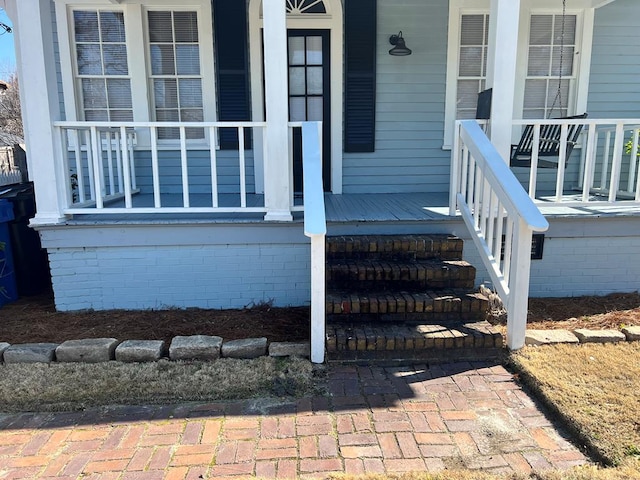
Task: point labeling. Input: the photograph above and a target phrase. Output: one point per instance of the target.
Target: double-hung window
(140, 61)
(102, 71)
(549, 68)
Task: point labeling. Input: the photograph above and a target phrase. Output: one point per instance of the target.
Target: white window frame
(582, 61)
(135, 19)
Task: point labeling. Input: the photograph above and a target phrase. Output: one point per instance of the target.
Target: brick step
(398, 275)
(426, 306)
(375, 341)
(420, 247)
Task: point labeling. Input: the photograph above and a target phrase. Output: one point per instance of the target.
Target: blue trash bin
(8, 288)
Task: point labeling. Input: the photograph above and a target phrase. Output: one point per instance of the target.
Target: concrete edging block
(89, 350)
(632, 333)
(599, 336)
(245, 348)
(549, 337)
(30, 353)
(195, 347)
(139, 351)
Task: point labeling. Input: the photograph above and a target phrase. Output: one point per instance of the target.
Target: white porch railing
(494, 206)
(101, 160)
(603, 169)
(315, 227)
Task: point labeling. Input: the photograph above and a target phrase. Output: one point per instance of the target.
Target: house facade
(166, 138)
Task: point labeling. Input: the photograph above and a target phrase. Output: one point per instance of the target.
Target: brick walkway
(376, 420)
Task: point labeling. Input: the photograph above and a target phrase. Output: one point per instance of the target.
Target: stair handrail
(492, 202)
(315, 227)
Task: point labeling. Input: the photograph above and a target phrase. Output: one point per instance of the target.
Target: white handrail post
(318, 298)
(315, 227)
(276, 174)
(519, 286)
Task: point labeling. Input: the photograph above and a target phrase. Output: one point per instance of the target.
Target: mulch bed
(34, 319)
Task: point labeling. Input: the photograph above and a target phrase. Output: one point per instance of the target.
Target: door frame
(332, 21)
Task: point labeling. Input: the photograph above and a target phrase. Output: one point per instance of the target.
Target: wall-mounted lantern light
(399, 47)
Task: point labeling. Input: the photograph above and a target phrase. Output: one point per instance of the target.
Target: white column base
(42, 220)
(278, 216)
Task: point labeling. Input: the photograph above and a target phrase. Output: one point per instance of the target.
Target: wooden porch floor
(345, 208)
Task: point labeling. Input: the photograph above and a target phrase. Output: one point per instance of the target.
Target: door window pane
(297, 109)
(314, 80)
(314, 109)
(296, 50)
(297, 81)
(314, 50)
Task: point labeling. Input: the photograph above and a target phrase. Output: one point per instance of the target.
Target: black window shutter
(360, 75)
(230, 30)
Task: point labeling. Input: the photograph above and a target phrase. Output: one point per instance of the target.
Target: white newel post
(501, 70)
(276, 161)
(519, 285)
(40, 105)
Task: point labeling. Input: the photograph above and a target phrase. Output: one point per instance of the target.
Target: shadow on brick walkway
(467, 415)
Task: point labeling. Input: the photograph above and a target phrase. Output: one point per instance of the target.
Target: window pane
(540, 29)
(567, 61)
(297, 110)
(119, 93)
(162, 61)
(168, 116)
(314, 80)
(89, 61)
(569, 30)
(96, 116)
(86, 26)
(165, 93)
(112, 27)
(190, 93)
(186, 27)
(115, 59)
(160, 27)
(297, 81)
(314, 109)
(535, 93)
(121, 115)
(296, 50)
(93, 93)
(188, 59)
(539, 58)
(314, 50)
(468, 94)
(472, 30)
(470, 62)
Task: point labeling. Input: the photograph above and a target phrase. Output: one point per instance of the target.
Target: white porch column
(40, 104)
(501, 70)
(276, 161)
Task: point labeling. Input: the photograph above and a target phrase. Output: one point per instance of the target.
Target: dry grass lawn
(594, 388)
(75, 386)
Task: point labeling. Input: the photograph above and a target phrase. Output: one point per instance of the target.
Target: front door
(309, 77)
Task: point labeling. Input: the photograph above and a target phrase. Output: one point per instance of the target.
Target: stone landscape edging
(209, 348)
(194, 347)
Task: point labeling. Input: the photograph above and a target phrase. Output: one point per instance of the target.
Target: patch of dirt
(34, 319)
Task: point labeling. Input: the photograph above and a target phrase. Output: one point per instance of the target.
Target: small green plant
(628, 147)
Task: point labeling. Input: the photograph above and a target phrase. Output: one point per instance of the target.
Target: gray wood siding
(409, 105)
(614, 89)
